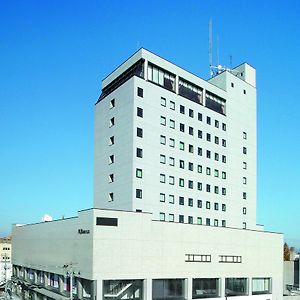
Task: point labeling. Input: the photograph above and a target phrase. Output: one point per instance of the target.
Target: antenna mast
(210, 47)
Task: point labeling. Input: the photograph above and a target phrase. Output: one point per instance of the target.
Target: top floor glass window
(161, 77)
(190, 91)
(215, 103)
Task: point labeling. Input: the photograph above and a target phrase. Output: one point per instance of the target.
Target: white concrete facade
(174, 212)
(228, 173)
(139, 248)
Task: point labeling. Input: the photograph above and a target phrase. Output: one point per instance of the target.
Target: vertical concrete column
(18, 271)
(222, 287)
(148, 289)
(35, 296)
(25, 272)
(176, 84)
(79, 288)
(189, 288)
(35, 277)
(45, 279)
(203, 97)
(249, 286)
(146, 70)
(61, 283)
(98, 290)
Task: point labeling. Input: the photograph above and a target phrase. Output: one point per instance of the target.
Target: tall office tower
(178, 146)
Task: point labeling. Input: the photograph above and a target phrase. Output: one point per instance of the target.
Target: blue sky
(53, 55)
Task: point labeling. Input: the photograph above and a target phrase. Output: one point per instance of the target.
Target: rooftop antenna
(210, 47)
(230, 61)
(218, 62)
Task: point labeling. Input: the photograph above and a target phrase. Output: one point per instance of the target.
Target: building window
(182, 109)
(191, 166)
(163, 101)
(171, 180)
(244, 180)
(208, 120)
(208, 188)
(208, 153)
(181, 182)
(111, 140)
(139, 173)
(162, 139)
(111, 197)
(199, 169)
(172, 105)
(112, 103)
(244, 92)
(191, 131)
(171, 199)
(207, 222)
(138, 193)
(223, 223)
(181, 219)
(224, 126)
(236, 287)
(244, 135)
(223, 175)
(223, 207)
(190, 220)
(191, 148)
(111, 122)
(199, 151)
(200, 134)
(207, 171)
(139, 112)
(191, 113)
(199, 186)
(244, 195)
(207, 205)
(244, 210)
(172, 143)
(139, 132)
(261, 286)
(172, 124)
(181, 164)
(162, 159)
(224, 191)
(111, 159)
(232, 84)
(217, 156)
(139, 152)
(199, 221)
(244, 225)
(171, 161)
(190, 202)
(162, 178)
(171, 217)
(199, 117)
(162, 216)
(234, 259)
(216, 140)
(216, 222)
(216, 206)
(162, 197)
(216, 123)
(111, 178)
(140, 92)
(223, 143)
(161, 77)
(181, 127)
(216, 173)
(205, 288)
(181, 200)
(163, 121)
(199, 203)
(223, 159)
(244, 150)
(190, 184)
(244, 165)
(216, 190)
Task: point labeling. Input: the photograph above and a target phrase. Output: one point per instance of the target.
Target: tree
(286, 252)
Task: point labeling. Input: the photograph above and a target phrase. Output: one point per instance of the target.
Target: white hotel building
(174, 212)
